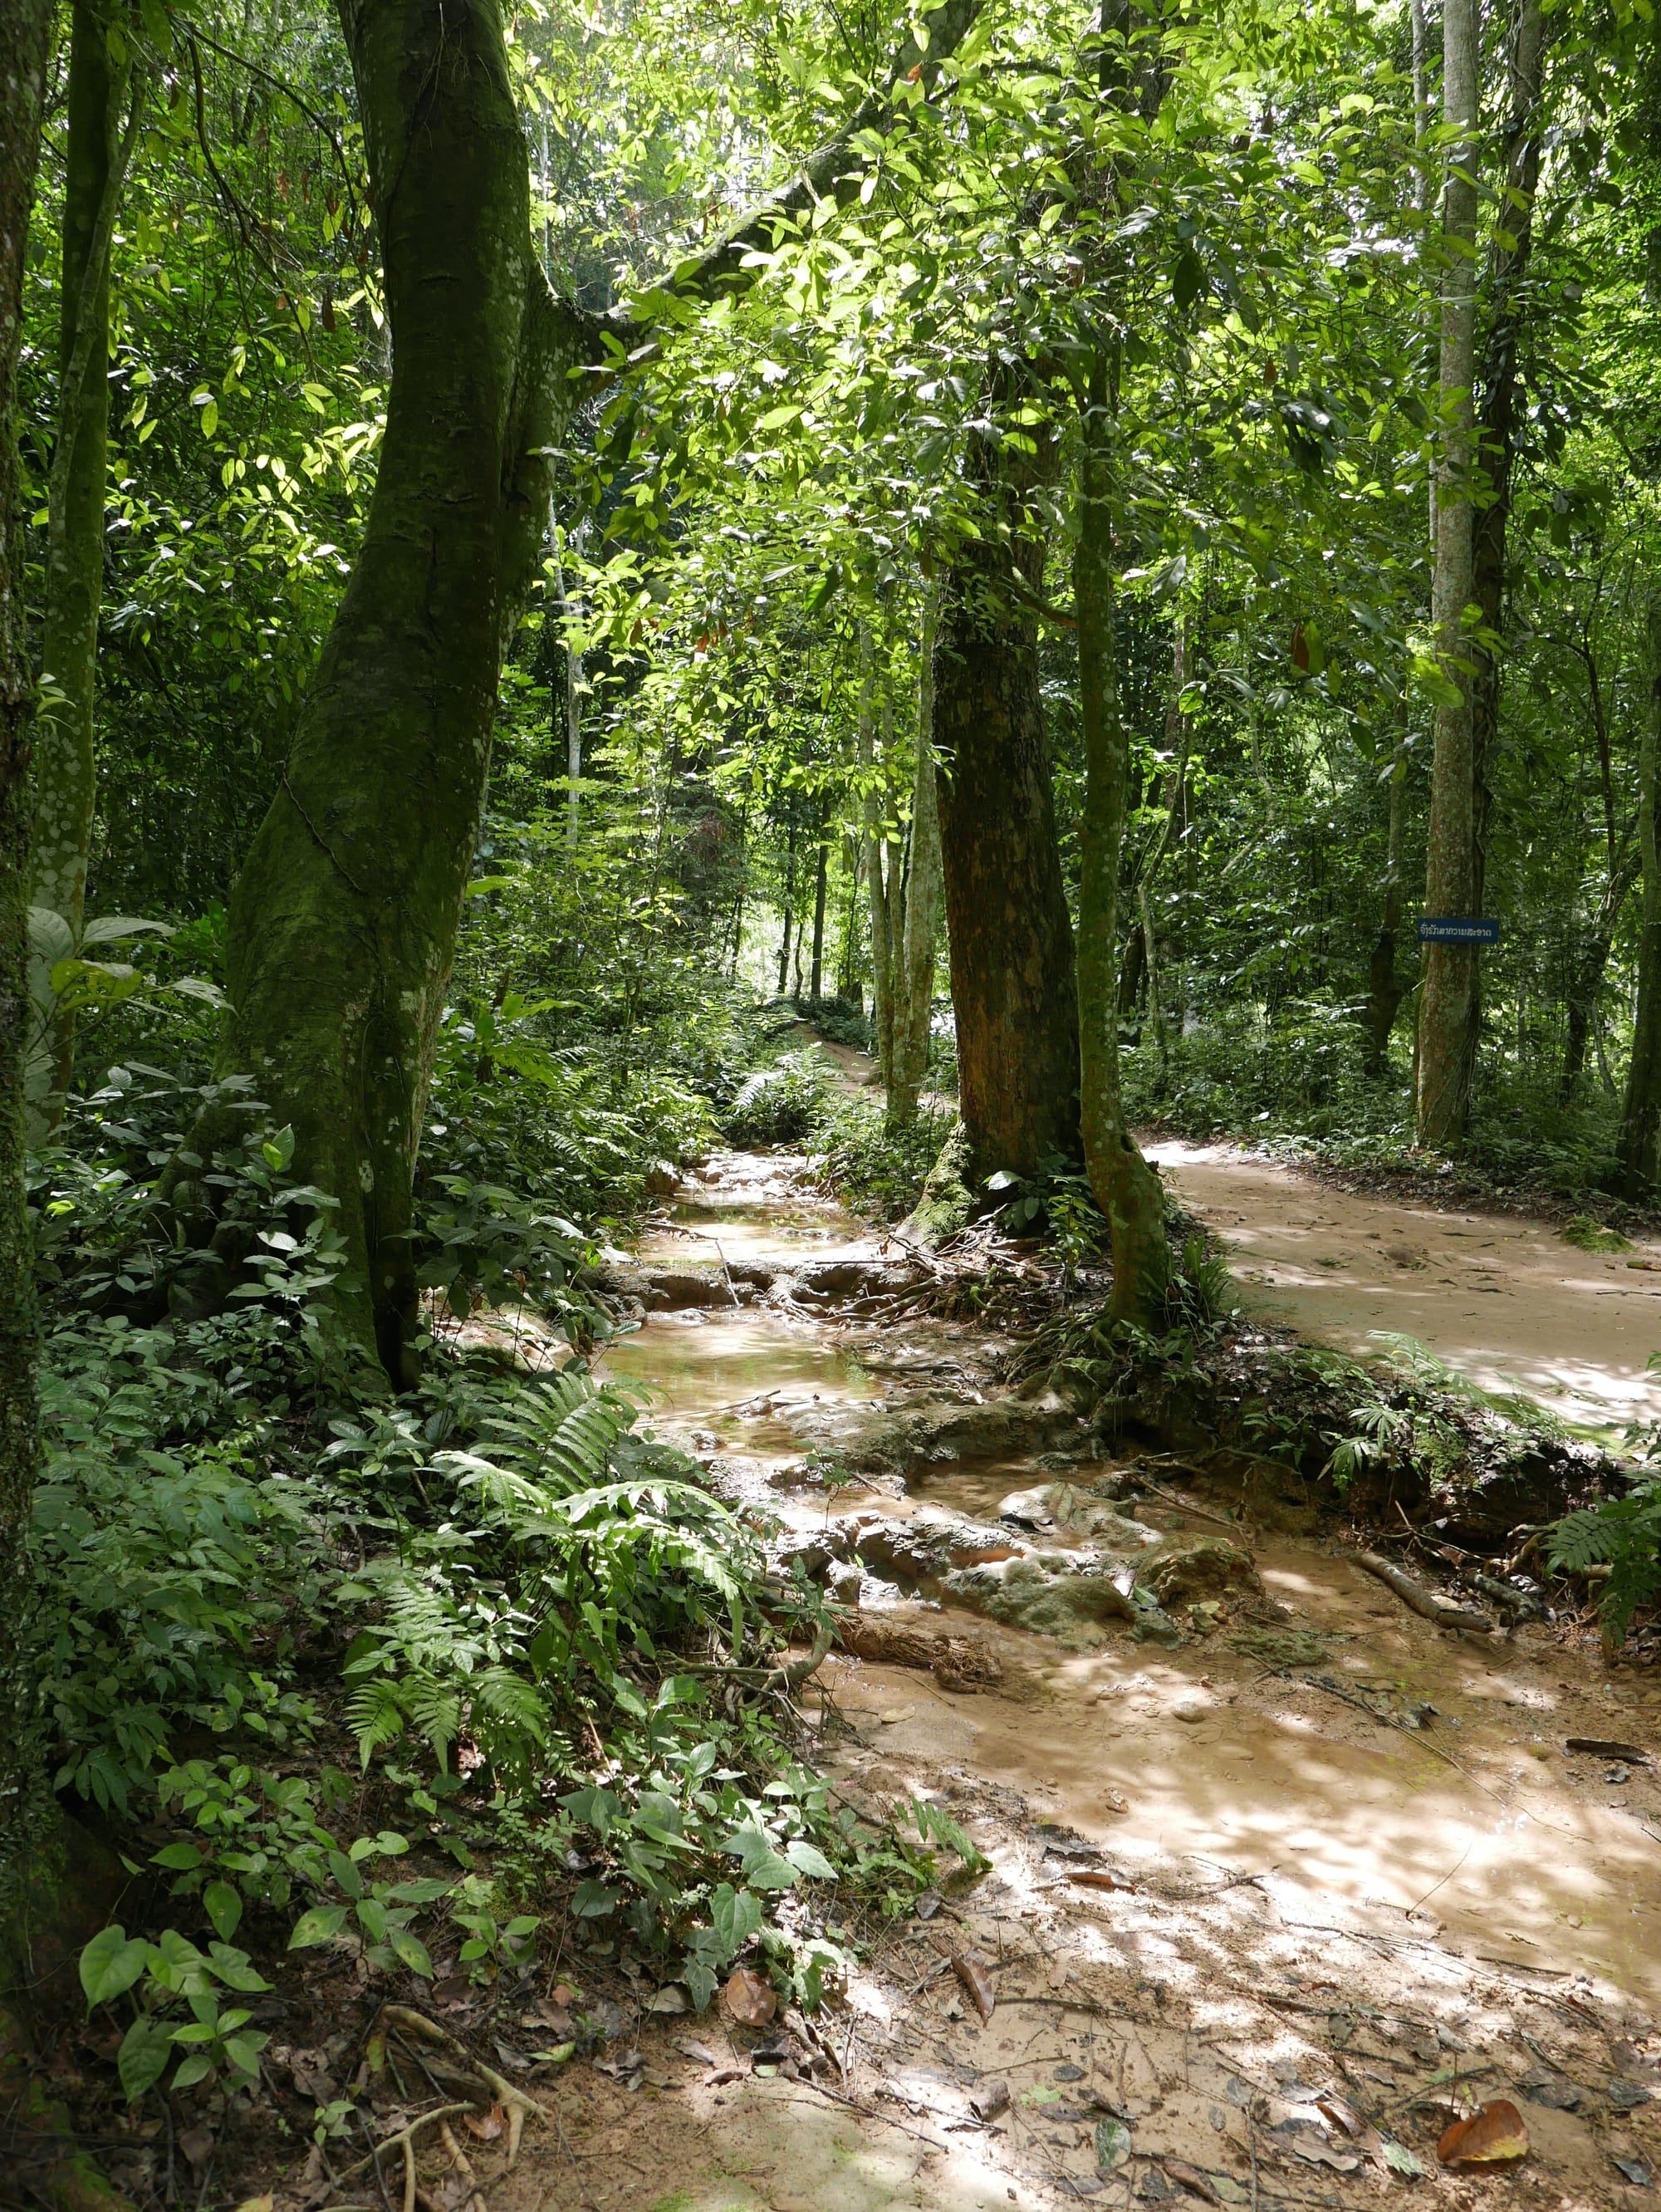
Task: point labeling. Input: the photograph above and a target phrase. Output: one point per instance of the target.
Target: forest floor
(1266, 1907)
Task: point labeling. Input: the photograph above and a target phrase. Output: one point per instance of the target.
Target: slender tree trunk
(1500, 391)
(98, 152)
(1588, 968)
(1176, 739)
(573, 702)
(22, 1781)
(342, 925)
(821, 867)
(1448, 1002)
(916, 964)
(1126, 1188)
(1640, 1147)
(847, 974)
(1384, 987)
(877, 890)
(789, 908)
(1013, 982)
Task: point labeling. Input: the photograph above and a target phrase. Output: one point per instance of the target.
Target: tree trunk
(816, 990)
(1013, 985)
(1497, 420)
(1176, 737)
(878, 890)
(342, 924)
(1126, 1188)
(1587, 969)
(1383, 986)
(573, 702)
(1447, 1003)
(1640, 1146)
(98, 152)
(914, 1033)
(789, 908)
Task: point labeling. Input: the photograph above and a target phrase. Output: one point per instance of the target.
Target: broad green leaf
(223, 1906)
(142, 2058)
(320, 1925)
(111, 1964)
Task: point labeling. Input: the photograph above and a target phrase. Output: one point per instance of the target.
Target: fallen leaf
(928, 1905)
(1320, 2154)
(1112, 2144)
(264, 2203)
(197, 2144)
(1068, 2072)
(1339, 2113)
(749, 1998)
(1602, 1748)
(484, 2127)
(973, 1975)
(555, 2057)
(563, 1995)
(988, 2101)
(723, 2075)
(1631, 2169)
(701, 2051)
(1400, 2160)
(894, 1714)
(1098, 1878)
(1493, 2134)
(1191, 2178)
(669, 1998)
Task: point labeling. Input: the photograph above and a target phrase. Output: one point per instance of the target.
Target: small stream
(1463, 1810)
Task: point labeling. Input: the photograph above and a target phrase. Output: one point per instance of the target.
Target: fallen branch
(1425, 1602)
(957, 1662)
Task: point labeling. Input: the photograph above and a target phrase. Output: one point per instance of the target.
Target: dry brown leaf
(484, 2127)
(989, 2099)
(1098, 1878)
(1191, 2178)
(1342, 2115)
(973, 1975)
(1494, 2135)
(749, 1998)
(197, 2144)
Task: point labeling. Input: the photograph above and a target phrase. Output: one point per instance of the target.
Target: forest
(819, 824)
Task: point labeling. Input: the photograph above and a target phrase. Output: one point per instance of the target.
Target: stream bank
(1275, 1866)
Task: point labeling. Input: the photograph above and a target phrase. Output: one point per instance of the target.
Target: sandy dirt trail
(1505, 1300)
(1222, 1894)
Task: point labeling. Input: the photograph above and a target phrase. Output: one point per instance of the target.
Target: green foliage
(876, 1170)
(1623, 1533)
(783, 1104)
(1587, 1234)
(214, 2043)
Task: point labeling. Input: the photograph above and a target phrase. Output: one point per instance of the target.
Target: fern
(1623, 1533)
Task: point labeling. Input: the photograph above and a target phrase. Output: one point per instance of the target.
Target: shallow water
(1477, 1822)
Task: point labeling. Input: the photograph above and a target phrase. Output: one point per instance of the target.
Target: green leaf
(1112, 2144)
(243, 2052)
(232, 1967)
(320, 1925)
(182, 1858)
(413, 1952)
(142, 2058)
(197, 2068)
(110, 1964)
(807, 1858)
(223, 1906)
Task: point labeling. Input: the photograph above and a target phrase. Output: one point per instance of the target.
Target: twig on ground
(1425, 1602)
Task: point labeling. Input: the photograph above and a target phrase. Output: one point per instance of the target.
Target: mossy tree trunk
(1447, 1003)
(1013, 985)
(1125, 1188)
(22, 86)
(343, 924)
(98, 151)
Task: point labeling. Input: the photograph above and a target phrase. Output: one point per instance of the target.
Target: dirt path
(1255, 1925)
(1508, 1302)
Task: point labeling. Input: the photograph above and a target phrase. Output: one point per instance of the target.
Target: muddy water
(1476, 1824)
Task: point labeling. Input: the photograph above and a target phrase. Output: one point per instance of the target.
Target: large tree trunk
(1126, 1188)
(1507, 275)
(1639, 1147)
(343, 924)
(1447, 1005)
(98, 152)
(878, 887)
(915, 971)
(22, 84)
(1013, 988)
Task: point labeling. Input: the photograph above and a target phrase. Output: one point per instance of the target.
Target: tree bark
(912, 1031)
(1176, 737)
(1448, 1002)
(1125, 1188)
(1507, 272)
(816, 989)
(1588, 968)
(1383, 986)
(23, 89)
(1640, 1147)
(1014, 984)
(343, 924)
(878, 889)
(98, 152)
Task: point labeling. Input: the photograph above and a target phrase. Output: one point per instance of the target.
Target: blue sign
(1474, 931)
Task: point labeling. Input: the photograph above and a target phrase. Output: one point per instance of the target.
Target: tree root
(1425, 1602)
(419, 2028)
